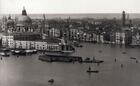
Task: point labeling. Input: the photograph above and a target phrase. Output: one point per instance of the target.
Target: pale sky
(69, 6)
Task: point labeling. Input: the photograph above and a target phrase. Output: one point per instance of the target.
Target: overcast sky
(69, 6)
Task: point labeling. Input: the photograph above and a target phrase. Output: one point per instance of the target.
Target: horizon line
(71, 13)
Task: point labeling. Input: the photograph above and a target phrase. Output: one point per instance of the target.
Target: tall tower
(44, 24)
(123, 18)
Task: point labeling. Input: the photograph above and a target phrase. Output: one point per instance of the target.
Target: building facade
(20, 34)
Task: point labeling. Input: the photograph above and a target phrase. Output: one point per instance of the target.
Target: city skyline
(69, 6)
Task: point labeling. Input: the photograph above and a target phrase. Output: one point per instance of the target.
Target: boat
(67, 51)
(31, 51)
(133, 58)
(18, 52)
(5, 49)
(51, 81)
(34, 51)
(92, 71)
(88, 60)
(77, 44)
(59, 57)
(123, 52)
(4, 54)
(98, 61)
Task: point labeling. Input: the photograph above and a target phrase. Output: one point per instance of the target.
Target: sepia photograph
(69, 43)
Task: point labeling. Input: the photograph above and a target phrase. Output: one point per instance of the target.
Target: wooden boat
(88, 60)
(5, 49)
(4, 54)
(123, 52)
(67, 51)
(92, 71)
(18, 52)
(133, 58)
(51, 81)
(31, 51)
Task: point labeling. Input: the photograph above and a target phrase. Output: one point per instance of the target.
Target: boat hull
(92, 71)
(59, 58)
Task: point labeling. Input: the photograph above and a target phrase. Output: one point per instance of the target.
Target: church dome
(24, 20)
(10, 21)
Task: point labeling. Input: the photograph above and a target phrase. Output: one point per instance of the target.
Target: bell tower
(123, 18)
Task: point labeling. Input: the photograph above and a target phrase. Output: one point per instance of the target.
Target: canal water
(29, 71)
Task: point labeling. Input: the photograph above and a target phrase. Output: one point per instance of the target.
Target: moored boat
(5, 54)
(31, 51)
(88, 60)
(18, 52)
(92, 71)
(67, 51)
(58, 57)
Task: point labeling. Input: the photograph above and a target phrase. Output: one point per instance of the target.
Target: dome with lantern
(10, 21)
(24, 19)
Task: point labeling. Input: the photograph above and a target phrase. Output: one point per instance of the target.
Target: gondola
(92, 71)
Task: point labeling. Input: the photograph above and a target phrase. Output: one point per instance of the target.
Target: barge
(58, 57)
(88, 60)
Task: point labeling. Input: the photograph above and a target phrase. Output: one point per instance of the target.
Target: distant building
(128, 37)
(21, 34)
(54, 32)
(10, 25)
(4, 24)
(10, 41)
(136, 38)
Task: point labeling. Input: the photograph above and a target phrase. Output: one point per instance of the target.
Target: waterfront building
(54, 32)
(4, 24)
(13, 42)
(128, 37)
(101, 38)
(136, 37)
(22, 35)
(7, 41)
(120, 37)
(94, 37)
(106, 37)
(10, 25)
